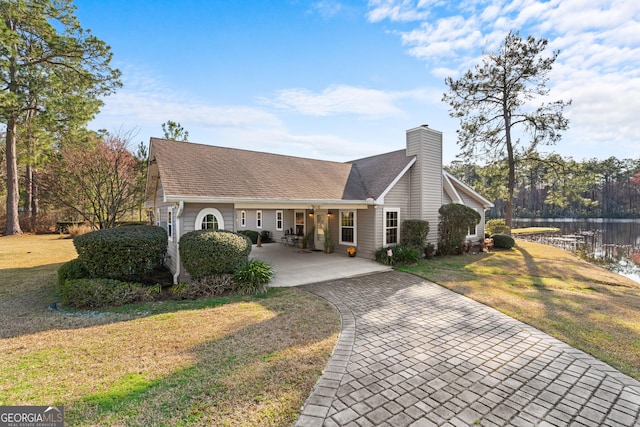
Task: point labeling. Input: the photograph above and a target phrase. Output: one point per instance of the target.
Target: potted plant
(307, 239)
(328, 246)
(351, 251)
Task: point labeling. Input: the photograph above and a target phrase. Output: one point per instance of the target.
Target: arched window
(209, 219)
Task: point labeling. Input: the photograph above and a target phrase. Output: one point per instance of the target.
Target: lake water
(609, 242)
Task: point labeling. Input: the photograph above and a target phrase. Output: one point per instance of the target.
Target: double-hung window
(391, 227)
(279, 220)
(348, 220)
(243, 218)
(170, 224)
(258, 219)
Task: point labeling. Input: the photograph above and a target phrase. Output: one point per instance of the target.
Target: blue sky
(340, 80)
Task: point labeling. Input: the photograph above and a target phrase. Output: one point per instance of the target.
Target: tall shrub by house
(455, 221)
(414, 233)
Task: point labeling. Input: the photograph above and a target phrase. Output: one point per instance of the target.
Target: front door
(320, 224)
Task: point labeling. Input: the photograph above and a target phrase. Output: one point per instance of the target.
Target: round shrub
(71, 270)
(503, 241)
(208, 252)
(98, 292)
(124, 253)
(496, 226)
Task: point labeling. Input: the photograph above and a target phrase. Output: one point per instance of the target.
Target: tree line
(553, 186)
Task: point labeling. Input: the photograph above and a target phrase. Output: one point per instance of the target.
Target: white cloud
(598, 66)
(148, 101)
(399, 11)
(327, 8)
(342, 99)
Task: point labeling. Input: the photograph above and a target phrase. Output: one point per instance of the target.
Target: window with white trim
(279, 220)
(391, 229)
(258, 219)
(473, 230)
(209, 219)
(170, 223)
(243, 218)
(348, 222)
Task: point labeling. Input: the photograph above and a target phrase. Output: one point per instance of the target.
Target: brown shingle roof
(195, 170)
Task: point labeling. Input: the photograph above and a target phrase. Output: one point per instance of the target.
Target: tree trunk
(35, 201)
(28, 191)
(13, 193)
(511, 182)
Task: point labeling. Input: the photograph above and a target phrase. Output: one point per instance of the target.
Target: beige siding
(191, 210)
(365, 232)
(425, 176)
(474, 204)
(268, 221)
(160, 215)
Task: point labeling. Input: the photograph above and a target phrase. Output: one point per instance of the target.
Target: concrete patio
(295, 266)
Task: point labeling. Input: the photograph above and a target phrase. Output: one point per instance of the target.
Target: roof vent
(424, 126)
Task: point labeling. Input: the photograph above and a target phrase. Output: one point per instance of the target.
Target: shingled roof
(378, 172)
(193, 170)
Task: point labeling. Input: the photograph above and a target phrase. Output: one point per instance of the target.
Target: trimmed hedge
(503, 241)
(414, 233)
(97, 293)
(455, 221)
(208, 252)
(124, 253)
(71, 270)
(251, 234)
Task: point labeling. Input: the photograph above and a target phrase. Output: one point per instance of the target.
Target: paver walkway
(412, 353)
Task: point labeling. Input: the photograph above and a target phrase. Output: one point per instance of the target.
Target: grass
(227, 361)
(533, 230)
(581, 304)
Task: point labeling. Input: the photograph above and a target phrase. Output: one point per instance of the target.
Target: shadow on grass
(259, 374)
(27, 295)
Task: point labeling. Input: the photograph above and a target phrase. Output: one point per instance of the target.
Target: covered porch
(294, 266)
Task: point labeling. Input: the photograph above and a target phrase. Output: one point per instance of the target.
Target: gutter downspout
(178, 231)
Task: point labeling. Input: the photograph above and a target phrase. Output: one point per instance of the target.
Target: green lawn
(229, 361)
(583, 305)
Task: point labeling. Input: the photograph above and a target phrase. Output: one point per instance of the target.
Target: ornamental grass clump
(212, 252)
(252, 277)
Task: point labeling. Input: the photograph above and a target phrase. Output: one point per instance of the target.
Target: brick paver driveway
(414, 353)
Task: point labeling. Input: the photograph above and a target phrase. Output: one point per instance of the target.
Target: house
(361, 203)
